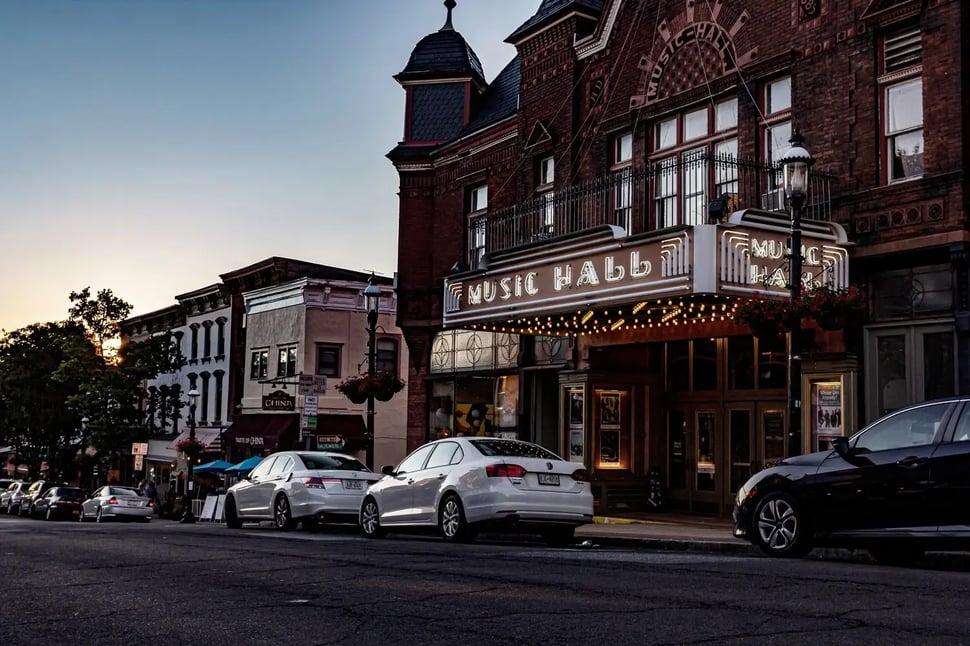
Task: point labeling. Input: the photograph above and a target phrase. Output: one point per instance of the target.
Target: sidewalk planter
(190, 448)
(765, 316)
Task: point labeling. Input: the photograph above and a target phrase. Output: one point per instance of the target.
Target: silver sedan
(114, 502)
(293, 486)
(462, 484)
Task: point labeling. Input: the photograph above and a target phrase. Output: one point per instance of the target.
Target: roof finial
(449, 5)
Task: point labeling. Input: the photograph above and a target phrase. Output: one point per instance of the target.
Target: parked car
(11, 496)
(116, 502)
(898, 487)
(59, 502)
(35, 491)
(462, 484)
(293, 486)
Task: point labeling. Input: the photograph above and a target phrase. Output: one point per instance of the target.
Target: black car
(59, 502)
(898, 487)
(34, 492)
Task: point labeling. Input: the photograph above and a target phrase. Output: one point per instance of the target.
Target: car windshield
(512, 449)
(337, 462)
(122, 491)
(71, 494)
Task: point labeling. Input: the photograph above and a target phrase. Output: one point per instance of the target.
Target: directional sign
(329, 442)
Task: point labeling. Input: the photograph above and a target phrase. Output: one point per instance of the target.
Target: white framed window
(622, 179)
(623, 148)
(545, 183)
(902, 105)
(259, 364)
(778, 96)
(478, 199)
(286, 362)
(697, 162)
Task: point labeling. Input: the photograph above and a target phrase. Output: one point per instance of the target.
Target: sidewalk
(667, 531)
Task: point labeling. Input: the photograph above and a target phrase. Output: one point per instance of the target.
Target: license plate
(353, 484)
(551, 479)
(133, 503)
(76, 512)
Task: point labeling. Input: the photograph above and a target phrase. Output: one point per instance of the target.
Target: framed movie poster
(609, 447)
(826, 413)
(610, 410)
(575, 415)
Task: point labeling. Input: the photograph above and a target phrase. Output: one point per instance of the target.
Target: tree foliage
(54, 375)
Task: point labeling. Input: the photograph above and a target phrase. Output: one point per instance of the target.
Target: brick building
(576, 235)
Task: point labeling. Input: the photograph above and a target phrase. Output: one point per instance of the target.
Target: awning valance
(259, 430)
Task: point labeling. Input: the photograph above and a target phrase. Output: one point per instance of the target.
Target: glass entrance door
(694, 450)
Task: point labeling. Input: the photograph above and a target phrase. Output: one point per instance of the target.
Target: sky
(147, 146)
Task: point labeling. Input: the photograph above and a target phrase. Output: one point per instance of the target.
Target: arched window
(194, 349)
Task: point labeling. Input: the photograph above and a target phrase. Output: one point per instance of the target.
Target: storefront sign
(279, 400)
(253, 440)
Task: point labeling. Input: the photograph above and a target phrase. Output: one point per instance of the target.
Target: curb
(673, 544)
(609, 520)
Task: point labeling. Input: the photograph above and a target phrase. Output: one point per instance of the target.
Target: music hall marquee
(601, 279)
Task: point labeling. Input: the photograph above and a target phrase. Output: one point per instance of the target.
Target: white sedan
(462, 484)
(294, 486)
(113, 501)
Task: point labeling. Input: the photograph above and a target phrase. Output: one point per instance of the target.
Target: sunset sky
(147, 146)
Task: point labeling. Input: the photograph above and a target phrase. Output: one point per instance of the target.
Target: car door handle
(441, 476)
(911, 462)
(410, 480)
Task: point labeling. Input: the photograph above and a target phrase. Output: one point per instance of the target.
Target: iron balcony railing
(692, 189)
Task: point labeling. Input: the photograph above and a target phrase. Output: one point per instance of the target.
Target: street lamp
(795, 166)
(187, 515)
(372, 300)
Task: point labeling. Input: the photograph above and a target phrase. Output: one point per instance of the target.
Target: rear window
(337, 462)
(511, 449)
(123, 491)
(71, 494)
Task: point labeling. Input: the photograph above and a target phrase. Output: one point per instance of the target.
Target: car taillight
(319, 483)
(581, 475)
(112, 501)
(504, 471)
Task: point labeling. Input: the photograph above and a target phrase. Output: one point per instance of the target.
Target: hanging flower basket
(190, 447)
(833, 308)
(382, 384)
(765, 316)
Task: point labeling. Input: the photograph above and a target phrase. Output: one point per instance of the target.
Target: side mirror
(387, 470)
(841, 446)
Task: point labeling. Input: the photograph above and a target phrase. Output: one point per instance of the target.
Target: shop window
(909, 364)
(259, 364)
(474, 406)
(740, 363)
(328, 360)
(902, 97)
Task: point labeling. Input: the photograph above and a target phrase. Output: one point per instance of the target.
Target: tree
(101, 316)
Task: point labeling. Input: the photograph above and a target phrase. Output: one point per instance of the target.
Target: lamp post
(187, 515)
(372, 299)
(795, 165)
(84, 446)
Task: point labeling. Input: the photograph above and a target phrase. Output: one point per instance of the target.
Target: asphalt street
(167, 583)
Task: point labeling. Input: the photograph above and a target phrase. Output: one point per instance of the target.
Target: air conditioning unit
(773, 200)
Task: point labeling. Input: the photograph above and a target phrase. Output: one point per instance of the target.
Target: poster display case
(612, 429)
(574, 414)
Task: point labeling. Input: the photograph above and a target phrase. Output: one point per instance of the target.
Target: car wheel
(780, 527)
(49, 514)
(559, 536)
(233, 521)
(97, 517)
(451, 520)
(898, 555)
(80, 517)
(282, 516)
(370, 519)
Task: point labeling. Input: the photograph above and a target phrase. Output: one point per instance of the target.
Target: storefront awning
(209, 437)
(259, 430)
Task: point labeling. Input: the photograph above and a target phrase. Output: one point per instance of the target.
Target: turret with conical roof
(442, 80)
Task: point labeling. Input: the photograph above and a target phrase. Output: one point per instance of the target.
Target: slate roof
(550, 8)
(500, 100)
(442, 53)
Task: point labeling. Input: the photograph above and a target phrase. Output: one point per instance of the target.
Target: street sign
(310, 404)
(139, 448)
(306, 384)
(139, 462)
(320, 384)
(329, 442)
(309, 422)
